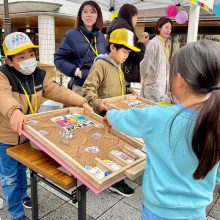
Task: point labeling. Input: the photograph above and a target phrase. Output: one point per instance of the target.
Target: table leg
(81, 197)
(34, 199)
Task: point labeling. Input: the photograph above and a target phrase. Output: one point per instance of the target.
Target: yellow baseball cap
(124, 37)
(17, 42)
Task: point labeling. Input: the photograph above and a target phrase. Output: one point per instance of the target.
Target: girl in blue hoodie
(183, 140)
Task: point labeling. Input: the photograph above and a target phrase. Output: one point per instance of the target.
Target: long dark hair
(127, 11)
(199, 64)
(99, 22)
(160, 23)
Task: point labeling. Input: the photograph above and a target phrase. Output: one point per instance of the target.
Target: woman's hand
(16, 121)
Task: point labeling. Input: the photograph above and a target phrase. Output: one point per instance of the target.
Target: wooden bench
(45, 169)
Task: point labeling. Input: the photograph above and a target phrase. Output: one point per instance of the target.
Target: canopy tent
(147, 7)
(111, 5)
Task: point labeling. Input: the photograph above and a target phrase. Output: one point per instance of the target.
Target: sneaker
(121, 188)
(27, 202)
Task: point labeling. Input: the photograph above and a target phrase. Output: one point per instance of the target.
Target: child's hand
(105, 122)
(87, 107)
(16, 121)
(78, 73)
(103, 107)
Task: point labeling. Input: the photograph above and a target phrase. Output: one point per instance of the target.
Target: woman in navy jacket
(80, 46)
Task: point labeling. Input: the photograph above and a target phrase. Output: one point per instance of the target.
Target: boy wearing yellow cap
(106, 79)
(22, 86)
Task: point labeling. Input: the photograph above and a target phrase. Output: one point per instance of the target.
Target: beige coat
(154, 69)
(102, 82)
(11, 100)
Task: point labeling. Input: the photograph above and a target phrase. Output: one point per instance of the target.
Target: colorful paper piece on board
(72, 121)
(96, 171)
(92, 150)
(112, 164)
(43, 132)
(134, 103)
(123, 156)
(32, 122)
(205, 4)
(165, 104)
(137, 151)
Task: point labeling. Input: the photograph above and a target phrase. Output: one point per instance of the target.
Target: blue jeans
(148, 215)
(14, 183)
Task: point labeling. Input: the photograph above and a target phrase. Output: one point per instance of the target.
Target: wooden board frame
(73, 163)
(118, 102)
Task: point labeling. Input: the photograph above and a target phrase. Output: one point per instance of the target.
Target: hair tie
(214, 88)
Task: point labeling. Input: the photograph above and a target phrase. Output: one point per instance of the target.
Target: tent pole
(193, 23)
(6, 19)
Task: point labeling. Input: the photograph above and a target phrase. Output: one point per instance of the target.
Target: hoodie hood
(107, 59)
(118, 23)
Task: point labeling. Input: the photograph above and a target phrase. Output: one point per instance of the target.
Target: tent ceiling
(140, 4)
(148, 9)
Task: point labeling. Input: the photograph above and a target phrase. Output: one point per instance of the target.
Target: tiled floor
(105, 206)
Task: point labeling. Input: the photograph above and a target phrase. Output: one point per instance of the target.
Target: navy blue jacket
(75, 52)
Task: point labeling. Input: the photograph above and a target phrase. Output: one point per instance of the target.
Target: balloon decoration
(181, 17)
(171, 11)
(217, 9)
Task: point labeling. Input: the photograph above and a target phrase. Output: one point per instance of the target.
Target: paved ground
(105, 206)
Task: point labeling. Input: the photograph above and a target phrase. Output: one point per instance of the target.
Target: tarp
(108, 5)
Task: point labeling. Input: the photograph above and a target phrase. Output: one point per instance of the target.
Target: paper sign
(73, 121)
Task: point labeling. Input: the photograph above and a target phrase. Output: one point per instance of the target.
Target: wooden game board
(75, 152)
(127, 101)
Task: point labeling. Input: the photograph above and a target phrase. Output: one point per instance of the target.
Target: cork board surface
(95, 134)
(128, 101)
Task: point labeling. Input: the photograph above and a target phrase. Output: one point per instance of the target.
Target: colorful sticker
(32, 122)
(123, 156)
(112, 164)
(107, 173)
(87, 167)
(137, 151)
(96, 136)
(97, 172)
(134, 103)
(92, 149)
(72, 121)
(43, 132)
(99, 126)
(66, 134)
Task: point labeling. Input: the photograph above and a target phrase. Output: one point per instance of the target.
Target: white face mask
(27, 67)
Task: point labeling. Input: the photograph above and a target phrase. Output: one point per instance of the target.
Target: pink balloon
(181, 17)
(171, 11)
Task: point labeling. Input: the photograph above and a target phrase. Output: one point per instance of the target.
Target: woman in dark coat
(127, 18)
(80, 46)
